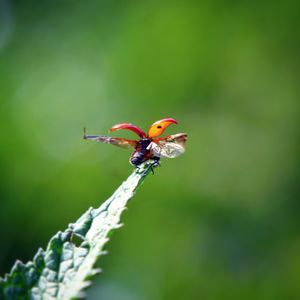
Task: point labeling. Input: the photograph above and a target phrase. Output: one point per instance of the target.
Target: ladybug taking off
(149, 146)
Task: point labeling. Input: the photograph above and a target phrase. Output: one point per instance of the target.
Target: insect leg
(155, 163)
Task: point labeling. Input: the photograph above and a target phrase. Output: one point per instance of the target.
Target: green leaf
(65, 268)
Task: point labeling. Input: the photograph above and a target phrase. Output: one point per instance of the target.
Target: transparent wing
(179, 138)
(170, 146)
(119, 142)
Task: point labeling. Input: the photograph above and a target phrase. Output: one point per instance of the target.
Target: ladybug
(148, 146)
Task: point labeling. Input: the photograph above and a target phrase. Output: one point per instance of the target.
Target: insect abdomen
(141, 153)
(136, 158)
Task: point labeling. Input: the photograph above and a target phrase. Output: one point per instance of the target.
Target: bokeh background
(221, 221)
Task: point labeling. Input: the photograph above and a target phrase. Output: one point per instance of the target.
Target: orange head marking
(131, 127)
(157, 128)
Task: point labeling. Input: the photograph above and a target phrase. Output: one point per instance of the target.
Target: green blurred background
(221, 221)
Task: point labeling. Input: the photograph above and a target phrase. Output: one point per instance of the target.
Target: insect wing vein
(166, 149)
